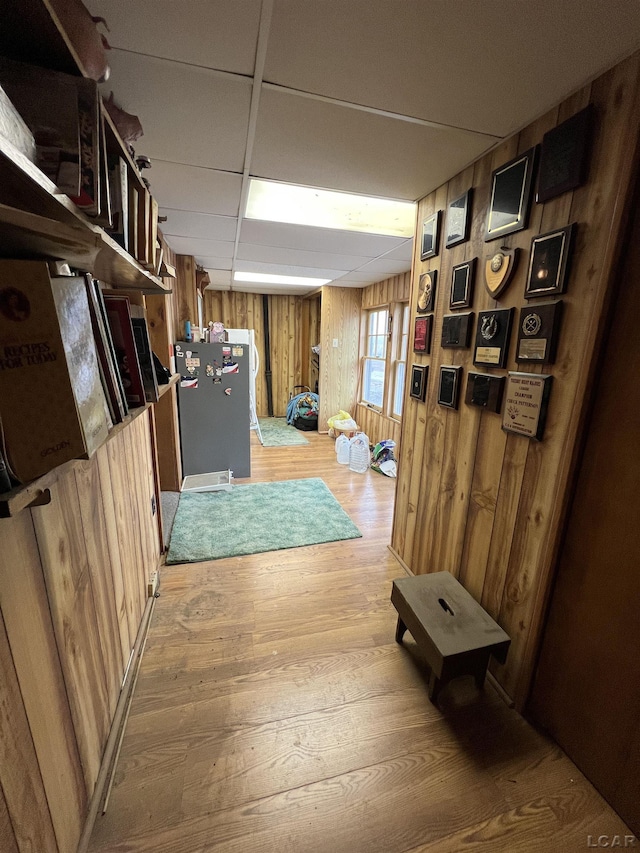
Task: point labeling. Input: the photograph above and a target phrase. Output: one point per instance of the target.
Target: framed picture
(430, 235)
(418, 388)
(462, 276)
(549, 262)
(422, 334)
(510, 195)
(564, 155)
(427, 291)
(458, 219)
(449, 386)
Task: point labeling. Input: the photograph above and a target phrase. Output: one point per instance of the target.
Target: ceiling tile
(361, 278)
(281, 289)
(202, 248)
(215, 34)
(219, 278)
(324, 145)
(189, 114)
(217, 263)
(488, 65)
(402, 253)
(194, 189)
(183, 223)
(288, 269)
(317, 239)
(276, 255)
(384, 267)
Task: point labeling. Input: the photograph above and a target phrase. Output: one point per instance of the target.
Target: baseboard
(400, 560)
(115, 733)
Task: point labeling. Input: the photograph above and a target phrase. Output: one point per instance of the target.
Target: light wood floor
(274, 712)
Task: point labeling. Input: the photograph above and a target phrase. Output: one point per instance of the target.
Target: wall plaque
(462, 276)
(564, 155)
(458, 218)
(525, 405)
(449, 386)
(538, 331)
(418, 387)
(549, 262)
(510, 192)
(484, 390)
(427, 291)
(456, 330)
(430, 236)
(499, 269)
(492, 337)
(422, 334)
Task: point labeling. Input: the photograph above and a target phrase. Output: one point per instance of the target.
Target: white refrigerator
(248, 337)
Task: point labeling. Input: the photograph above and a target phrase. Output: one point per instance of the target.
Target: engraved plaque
(564, 155)
(449, 386)
(456, 330)
(538, 332)
(526, 402)
(427, 291)
(492, 337)
(484, 390)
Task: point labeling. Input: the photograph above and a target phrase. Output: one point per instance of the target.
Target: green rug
(276, 432)
(257, 518)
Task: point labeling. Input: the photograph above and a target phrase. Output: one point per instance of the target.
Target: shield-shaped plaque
(499, 269)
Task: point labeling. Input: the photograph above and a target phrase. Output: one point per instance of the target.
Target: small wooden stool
(454, 632)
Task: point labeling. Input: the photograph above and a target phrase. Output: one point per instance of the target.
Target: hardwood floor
(274, 713)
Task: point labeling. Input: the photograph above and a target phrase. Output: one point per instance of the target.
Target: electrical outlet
(153, 584)
(335, 343)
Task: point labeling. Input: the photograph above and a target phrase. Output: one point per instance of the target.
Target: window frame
(398, 313)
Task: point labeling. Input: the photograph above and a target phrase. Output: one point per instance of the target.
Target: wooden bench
(456, 635)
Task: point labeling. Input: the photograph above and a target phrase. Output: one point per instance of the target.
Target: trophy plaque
(538, 332)
(526, 403)
(449, 386)
(462, 284)
(418, 388)
(499, 269)
(456, 330)
(492, 337)
(564, 155)
(430, 236)
(427, 291)
(484, 390)
(422, 334)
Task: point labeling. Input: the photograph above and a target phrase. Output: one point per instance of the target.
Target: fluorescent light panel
(297, 205)
(269, 278)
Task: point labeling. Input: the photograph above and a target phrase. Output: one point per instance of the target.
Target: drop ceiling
(377, 97)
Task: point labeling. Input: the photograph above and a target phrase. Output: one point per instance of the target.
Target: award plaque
(538, 330)
(499, 269)
(418, 387)
(462, 284)
(458, 218)
(422, 334)
(549, 262)
(484, 390)
(427, 291)
(449, 386)
(456, 330)
(430, 234)
(564, 155)
(526, 402)
(492, 337)
(510, 193)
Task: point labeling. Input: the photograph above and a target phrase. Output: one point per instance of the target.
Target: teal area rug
(257, 518)
(276, 432)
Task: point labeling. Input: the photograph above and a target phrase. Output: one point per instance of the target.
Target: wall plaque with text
(492, 337)
(525, 404)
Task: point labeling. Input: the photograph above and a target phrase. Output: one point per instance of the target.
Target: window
(375, 359)
(386, 344)
(400, 362)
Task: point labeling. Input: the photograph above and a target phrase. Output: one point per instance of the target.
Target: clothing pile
(302, 411)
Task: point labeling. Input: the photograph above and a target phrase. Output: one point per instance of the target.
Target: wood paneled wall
(339, 366)
(483, 504)
(185, 295)
(375, 424)
(73, 578)
(292, 322)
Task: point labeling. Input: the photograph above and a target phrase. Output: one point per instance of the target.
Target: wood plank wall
(72, 592)
(483, 504)
(339, 366)
(377, 425)
(185, 295)
(292, 320)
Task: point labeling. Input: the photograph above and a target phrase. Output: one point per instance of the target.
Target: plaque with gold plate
(492, 337)
(526, 400)
(538, 331)
(427, 291)
(499, 269)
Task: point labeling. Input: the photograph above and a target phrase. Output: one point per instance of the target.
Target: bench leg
(400, 629)
(434, 687)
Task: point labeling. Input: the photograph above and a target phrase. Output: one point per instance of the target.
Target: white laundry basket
(359, 456)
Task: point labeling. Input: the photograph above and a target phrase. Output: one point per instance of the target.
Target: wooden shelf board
(162, 389)
(27, 235)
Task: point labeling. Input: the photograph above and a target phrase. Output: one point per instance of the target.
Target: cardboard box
(52, 405)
